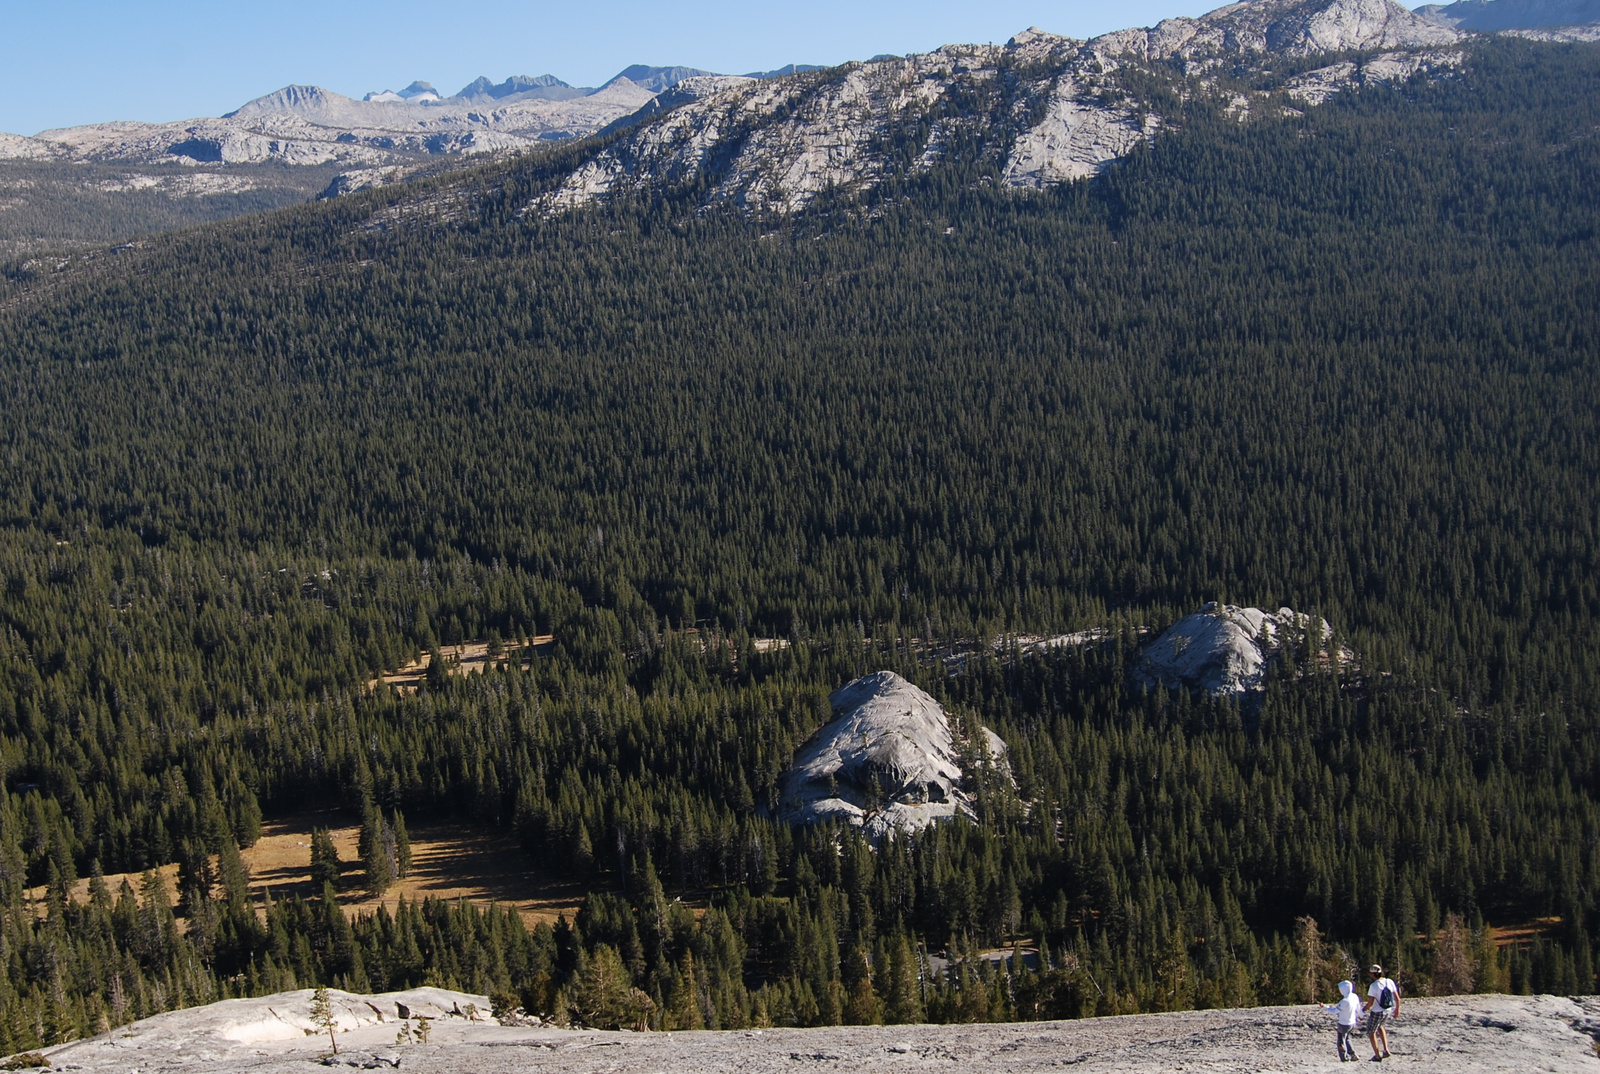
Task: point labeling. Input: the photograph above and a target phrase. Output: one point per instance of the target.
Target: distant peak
(656, 79)
(1032, 33)
(417, 93)
(288, 99)
(545, 86)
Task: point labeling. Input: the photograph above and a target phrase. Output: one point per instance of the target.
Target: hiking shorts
(1375, 1019)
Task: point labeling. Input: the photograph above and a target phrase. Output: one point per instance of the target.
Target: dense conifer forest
(1344, 361)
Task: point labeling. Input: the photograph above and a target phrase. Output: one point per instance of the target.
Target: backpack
(1386, 998)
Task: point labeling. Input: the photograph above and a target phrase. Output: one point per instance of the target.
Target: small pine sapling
(322, 1015)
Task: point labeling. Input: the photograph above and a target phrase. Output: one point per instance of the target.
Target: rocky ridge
(888, 762)
(1040, 110)
(1046, 109)
(519, 87)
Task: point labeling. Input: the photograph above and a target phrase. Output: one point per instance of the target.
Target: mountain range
(314, 126)
(766, 140)
(311, 126)
(541, 87)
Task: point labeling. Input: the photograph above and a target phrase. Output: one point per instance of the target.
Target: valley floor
(1461, 1034)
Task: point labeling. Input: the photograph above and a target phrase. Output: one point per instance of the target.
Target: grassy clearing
(463, 659)
(448, 861)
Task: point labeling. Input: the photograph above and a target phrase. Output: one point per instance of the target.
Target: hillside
(1043, 109)
(730, 456)
(1053, 109)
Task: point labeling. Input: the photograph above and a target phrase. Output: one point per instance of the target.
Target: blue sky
(66, 62)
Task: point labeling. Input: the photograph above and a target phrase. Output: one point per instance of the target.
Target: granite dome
(888, 761)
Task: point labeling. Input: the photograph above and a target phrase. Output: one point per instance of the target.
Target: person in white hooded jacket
(1348, 1012)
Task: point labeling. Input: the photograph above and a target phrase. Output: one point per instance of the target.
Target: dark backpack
(1386, 999)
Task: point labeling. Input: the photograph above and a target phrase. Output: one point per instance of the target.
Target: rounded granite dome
(888, 761)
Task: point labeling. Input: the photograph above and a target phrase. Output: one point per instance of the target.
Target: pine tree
(377, 849)
(326, 868)
(904, 1006)
(600, 998)
(402, 847)
(322, 1016)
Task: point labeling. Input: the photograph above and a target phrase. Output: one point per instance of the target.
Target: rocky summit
(888, 761)
(1226, 651)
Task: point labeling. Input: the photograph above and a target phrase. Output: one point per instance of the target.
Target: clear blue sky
(67, 62)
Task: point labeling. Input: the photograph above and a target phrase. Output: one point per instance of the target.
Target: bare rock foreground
(1463, 1034)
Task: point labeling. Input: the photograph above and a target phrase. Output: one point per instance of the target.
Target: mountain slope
(1044, 109)
(52, 204)
(1047, 109)
(308, 125)
(1364, 183)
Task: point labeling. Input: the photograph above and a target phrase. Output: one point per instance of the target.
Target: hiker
(1383, 1003)
(1348, 1011)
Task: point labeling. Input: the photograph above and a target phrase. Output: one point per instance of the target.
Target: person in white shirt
(1383, 1003)
(1348, 1011)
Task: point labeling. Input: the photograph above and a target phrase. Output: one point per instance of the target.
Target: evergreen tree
(326, 868)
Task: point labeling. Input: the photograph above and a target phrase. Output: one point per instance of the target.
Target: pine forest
(1344, 360)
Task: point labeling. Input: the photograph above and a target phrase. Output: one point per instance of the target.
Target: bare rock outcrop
(1226, 651)
(16, 147)
(888, 762)
(1075, 139)
(1479, 1034)
(1315, 87)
